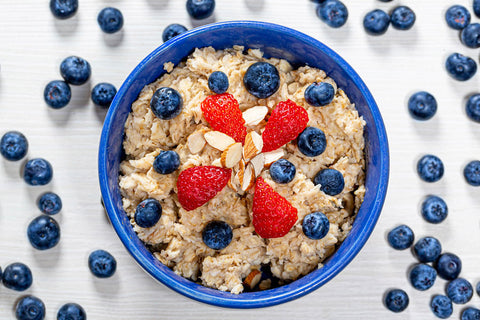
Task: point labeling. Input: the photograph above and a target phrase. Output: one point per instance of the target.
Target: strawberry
(197, 185)
(273, 215)
(286, 122)
(223, 114)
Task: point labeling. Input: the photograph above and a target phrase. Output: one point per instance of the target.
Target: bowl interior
(274, 41)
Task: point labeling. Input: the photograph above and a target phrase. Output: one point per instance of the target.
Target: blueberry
(166, 162)
(470, 314)
(401, 237)
(472, 108)
(110, 20)
(422, 105)
(315, 225)
(441, 306)
(470, 35)
(75, 70)
(13, 146)
(217, 235)
(261, 79)
(148, 213)
(218, 82)
(103, 93)
(312, 142)
(422, 276)
(430, 168)
(37, 172)
(71, 311)
(63, 9)
(30, 308)
(460, 67)
(102, 264)
(402, 18)
(43, 232)
(282, 171)
(478, 288)
(457, 17)
(396, 300)
(173, 30)
(427, 249)
(472, 173)
(49, 203)
(330, 180)
(17, 276)
(200, 9)
(57, 94)
(166, 103)
(460, 291)
(476, 7)
(448, 266)
(333, 12)
(319, 94)
(434, 209)
(376, 22)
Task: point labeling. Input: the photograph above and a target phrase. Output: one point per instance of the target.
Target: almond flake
(254, 115)
(196, 142)
(253, 145)
(218, 140)
(217, 162)
(253, 278)
(248, 178)
(272, 156)
(232, 155)
(258, 163)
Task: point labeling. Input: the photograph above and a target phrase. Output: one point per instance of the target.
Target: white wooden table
(394, 66)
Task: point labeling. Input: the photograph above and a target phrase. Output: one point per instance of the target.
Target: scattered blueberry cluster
(376, 22)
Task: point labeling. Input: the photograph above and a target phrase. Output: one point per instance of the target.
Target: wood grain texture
(394, 66)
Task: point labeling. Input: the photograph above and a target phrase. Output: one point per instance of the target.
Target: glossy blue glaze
(274, 41)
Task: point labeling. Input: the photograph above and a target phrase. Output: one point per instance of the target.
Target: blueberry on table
(376, 22)
(478, 288)
(401, 237)
(460, 67)
(103, 93)
(75, 70)
(441, 306)
(333, 12)
(470, 314)
(63, 9)
(427, 249)
(422, 276)
(200, 9)
(102, 264)
(282, 171)
(476, 7)
(261, 79)
(472, 108)
(457, 17)
(147, 213)
(49, 203)
(166, 103)
(448, 266)
(470, 35)
(17, 276)
(217, 235)
(218, 82)
(57, 94)
(312, 142)
(30, 308)
(472, 173)
(166, 162)
(422, 105)
(37, 172)
(430, 168)
(319, 94)
(434, 209)
(173, 30)
(13, 145)
(330, 180)
(315, 225)
(396, 300)
(460, 291)
(43, 232)
(402, 18)
(110, 20)
(71, 311)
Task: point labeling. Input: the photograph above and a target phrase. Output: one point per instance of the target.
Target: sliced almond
(232, 155)
(253, 278)
(217, 162)
(254, 115)
(218, 140)
(253, 145)
(272, 156)
(196, 142)
(248, 178)
(258, 163)
(231, 182)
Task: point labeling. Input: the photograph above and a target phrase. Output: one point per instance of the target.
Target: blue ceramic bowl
(275, 41)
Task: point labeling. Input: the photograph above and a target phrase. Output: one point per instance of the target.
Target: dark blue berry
(434, 209)
(217, 235)
(402, 18)
(470, 314)
(315, 225)
(261, 79)
(422, 276)
(282, 171)
(448, 266)
(401, 237)
(312, 142)
(200, 9)
(102, 264)
(43, 232)
(173, 30)
(63, 9)
(30, 308)
(49, 203)
(472, 108)
(13, 145)
(472, 173)
(376, 22)
(333, 12)
(460, 67)
(422, 105)
(478, 288)
(427, 249)
(460, 291)
(470, 35)
(71, 311)
(103, 94)
(57, 94)
(457, 17)
(319, 94)
(476, 7)
(166, 162)
(441, 306)
(37, 172)
(396, 300)
(110, 20)
(75, 70)
(218, 82)
(17, 276)
(166, 103)
(148, 213)
(330, 180)
(430, 168)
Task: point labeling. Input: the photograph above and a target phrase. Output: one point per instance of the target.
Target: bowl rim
(246, 300)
